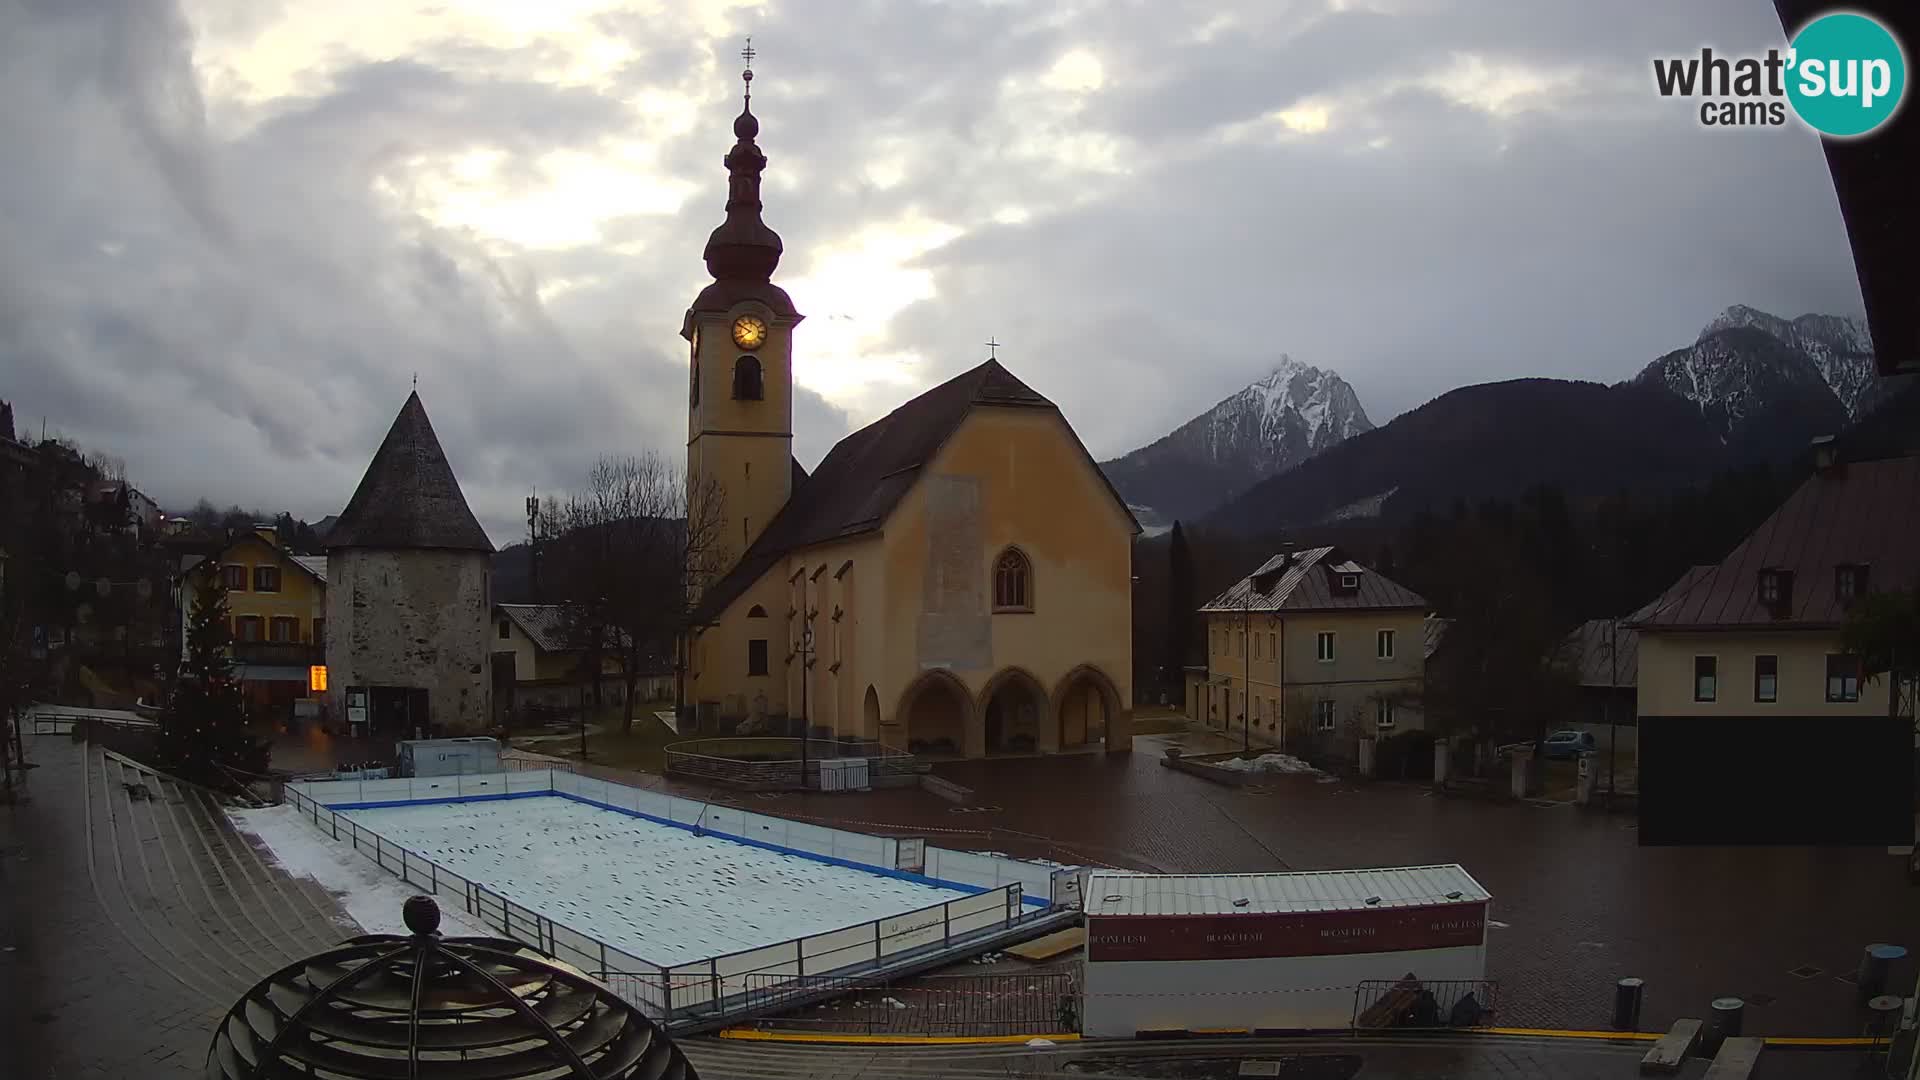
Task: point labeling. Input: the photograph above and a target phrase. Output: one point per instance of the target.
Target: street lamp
(806, 665)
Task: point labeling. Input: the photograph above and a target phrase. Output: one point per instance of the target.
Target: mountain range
(1296, 449)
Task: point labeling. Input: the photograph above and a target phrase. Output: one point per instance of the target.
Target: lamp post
(806, 673)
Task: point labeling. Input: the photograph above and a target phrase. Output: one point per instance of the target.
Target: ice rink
(660, 893)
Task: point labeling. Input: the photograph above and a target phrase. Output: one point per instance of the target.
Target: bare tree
(628, 553)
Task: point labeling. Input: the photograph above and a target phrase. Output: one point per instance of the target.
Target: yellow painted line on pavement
(889, 1040)
(1652, 1036)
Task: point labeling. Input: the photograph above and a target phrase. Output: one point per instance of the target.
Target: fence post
(713, 966)
(946, 919)
(433, 869)
(666, 995)
(604, 974)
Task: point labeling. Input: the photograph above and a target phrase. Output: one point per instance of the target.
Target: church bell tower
(740, 334)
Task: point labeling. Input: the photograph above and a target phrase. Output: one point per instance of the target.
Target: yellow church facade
(953, 579)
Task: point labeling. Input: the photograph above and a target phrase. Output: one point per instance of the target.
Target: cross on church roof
(746, 76)
(993, 349)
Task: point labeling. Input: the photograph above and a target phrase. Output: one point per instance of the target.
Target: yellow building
(276, 611)
(1758, 634)
(1311, 652)
(953, 578)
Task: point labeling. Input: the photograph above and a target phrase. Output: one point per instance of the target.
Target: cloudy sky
(233, 231)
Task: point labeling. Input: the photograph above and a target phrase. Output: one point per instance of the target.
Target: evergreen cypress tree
(204, 725)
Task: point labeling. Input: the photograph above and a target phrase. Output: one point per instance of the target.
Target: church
(954, 579)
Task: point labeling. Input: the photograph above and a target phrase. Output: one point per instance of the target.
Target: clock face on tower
(749, 332)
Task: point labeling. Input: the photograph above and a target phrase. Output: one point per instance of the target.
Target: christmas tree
(204, 726)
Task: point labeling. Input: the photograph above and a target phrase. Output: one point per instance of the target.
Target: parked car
(1559, 746)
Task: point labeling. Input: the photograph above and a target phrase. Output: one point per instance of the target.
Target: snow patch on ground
(1267, 763)
(371, 896)
(663, 894)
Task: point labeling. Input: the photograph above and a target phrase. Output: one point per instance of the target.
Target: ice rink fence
(1006, 892)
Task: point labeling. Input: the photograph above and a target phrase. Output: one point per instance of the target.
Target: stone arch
(1087, 708)
(934, 715)
(870, 714)
(1013, 713)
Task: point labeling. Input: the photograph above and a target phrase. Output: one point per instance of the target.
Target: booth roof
(1256, 894)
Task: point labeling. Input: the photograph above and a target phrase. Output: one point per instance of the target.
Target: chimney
(267, 533)
(1823, 453)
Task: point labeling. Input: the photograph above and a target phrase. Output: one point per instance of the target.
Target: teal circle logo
(1846, 74)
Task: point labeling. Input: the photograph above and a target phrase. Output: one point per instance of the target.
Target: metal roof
(313, 564)
(1588, 653)
(1301, 581)
(1863, 513)
(1269, 894)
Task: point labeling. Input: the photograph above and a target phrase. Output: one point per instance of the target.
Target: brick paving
(1582, 903)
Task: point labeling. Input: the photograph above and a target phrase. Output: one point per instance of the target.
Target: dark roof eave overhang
(721, 296)
(1783, 626)
(488, 550)
(1236, 609)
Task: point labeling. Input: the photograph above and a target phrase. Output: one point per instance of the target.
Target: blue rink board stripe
(900, 875)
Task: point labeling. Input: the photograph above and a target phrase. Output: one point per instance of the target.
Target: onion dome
(743, 248)
(420, 1007)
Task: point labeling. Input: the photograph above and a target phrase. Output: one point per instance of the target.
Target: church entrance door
(1013, 715)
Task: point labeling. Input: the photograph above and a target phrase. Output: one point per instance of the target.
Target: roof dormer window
(1849, 582)
(1776, 591)
(1349, 582)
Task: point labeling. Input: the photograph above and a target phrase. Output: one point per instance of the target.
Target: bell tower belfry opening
(740, 336)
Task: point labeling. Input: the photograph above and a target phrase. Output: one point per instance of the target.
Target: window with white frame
(1323, 646)
(1383, 644)
(1383, 713)
(1323, 714)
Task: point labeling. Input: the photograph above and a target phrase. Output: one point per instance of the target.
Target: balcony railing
(278, 653)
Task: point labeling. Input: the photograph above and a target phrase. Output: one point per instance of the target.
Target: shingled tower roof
(409, 498)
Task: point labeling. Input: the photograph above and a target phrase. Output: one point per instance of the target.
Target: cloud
(235, 232)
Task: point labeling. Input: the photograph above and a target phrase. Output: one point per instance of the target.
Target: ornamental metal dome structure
(424, 1007)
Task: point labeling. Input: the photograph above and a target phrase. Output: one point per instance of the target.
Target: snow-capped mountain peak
(1286, 416)
(1840, 348)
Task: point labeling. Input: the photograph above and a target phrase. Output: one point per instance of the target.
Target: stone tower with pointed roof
(954, 578)
(409, 594)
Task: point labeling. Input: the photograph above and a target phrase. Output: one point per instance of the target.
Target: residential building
(953, 578)
(409, 603)
(539, 668)
(1313, 651)
(1603, 656)
(1759, 631)
(276, 611)
(1758, 634)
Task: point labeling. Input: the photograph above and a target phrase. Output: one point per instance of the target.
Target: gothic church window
(1012, 582)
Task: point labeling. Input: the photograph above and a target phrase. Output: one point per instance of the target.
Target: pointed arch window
(746, 379)
(1012, 581)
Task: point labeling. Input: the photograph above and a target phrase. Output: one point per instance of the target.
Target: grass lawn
(1157, 720)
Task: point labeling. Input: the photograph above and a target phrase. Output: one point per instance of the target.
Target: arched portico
(934, 716)
(1087, 709)
(1013, 715)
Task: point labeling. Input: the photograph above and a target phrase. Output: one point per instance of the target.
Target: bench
(1736, 1059)
(1671, 1051)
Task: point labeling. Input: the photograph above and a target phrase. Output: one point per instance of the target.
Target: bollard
(1883, 1020)
(1723, 1023)
(1875, 963)
(1626, 1004)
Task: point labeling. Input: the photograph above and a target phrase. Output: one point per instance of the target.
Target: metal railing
(767, 762)
(1006, 1003)
(1423, 1004)
(45, 723)
(703, 989)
